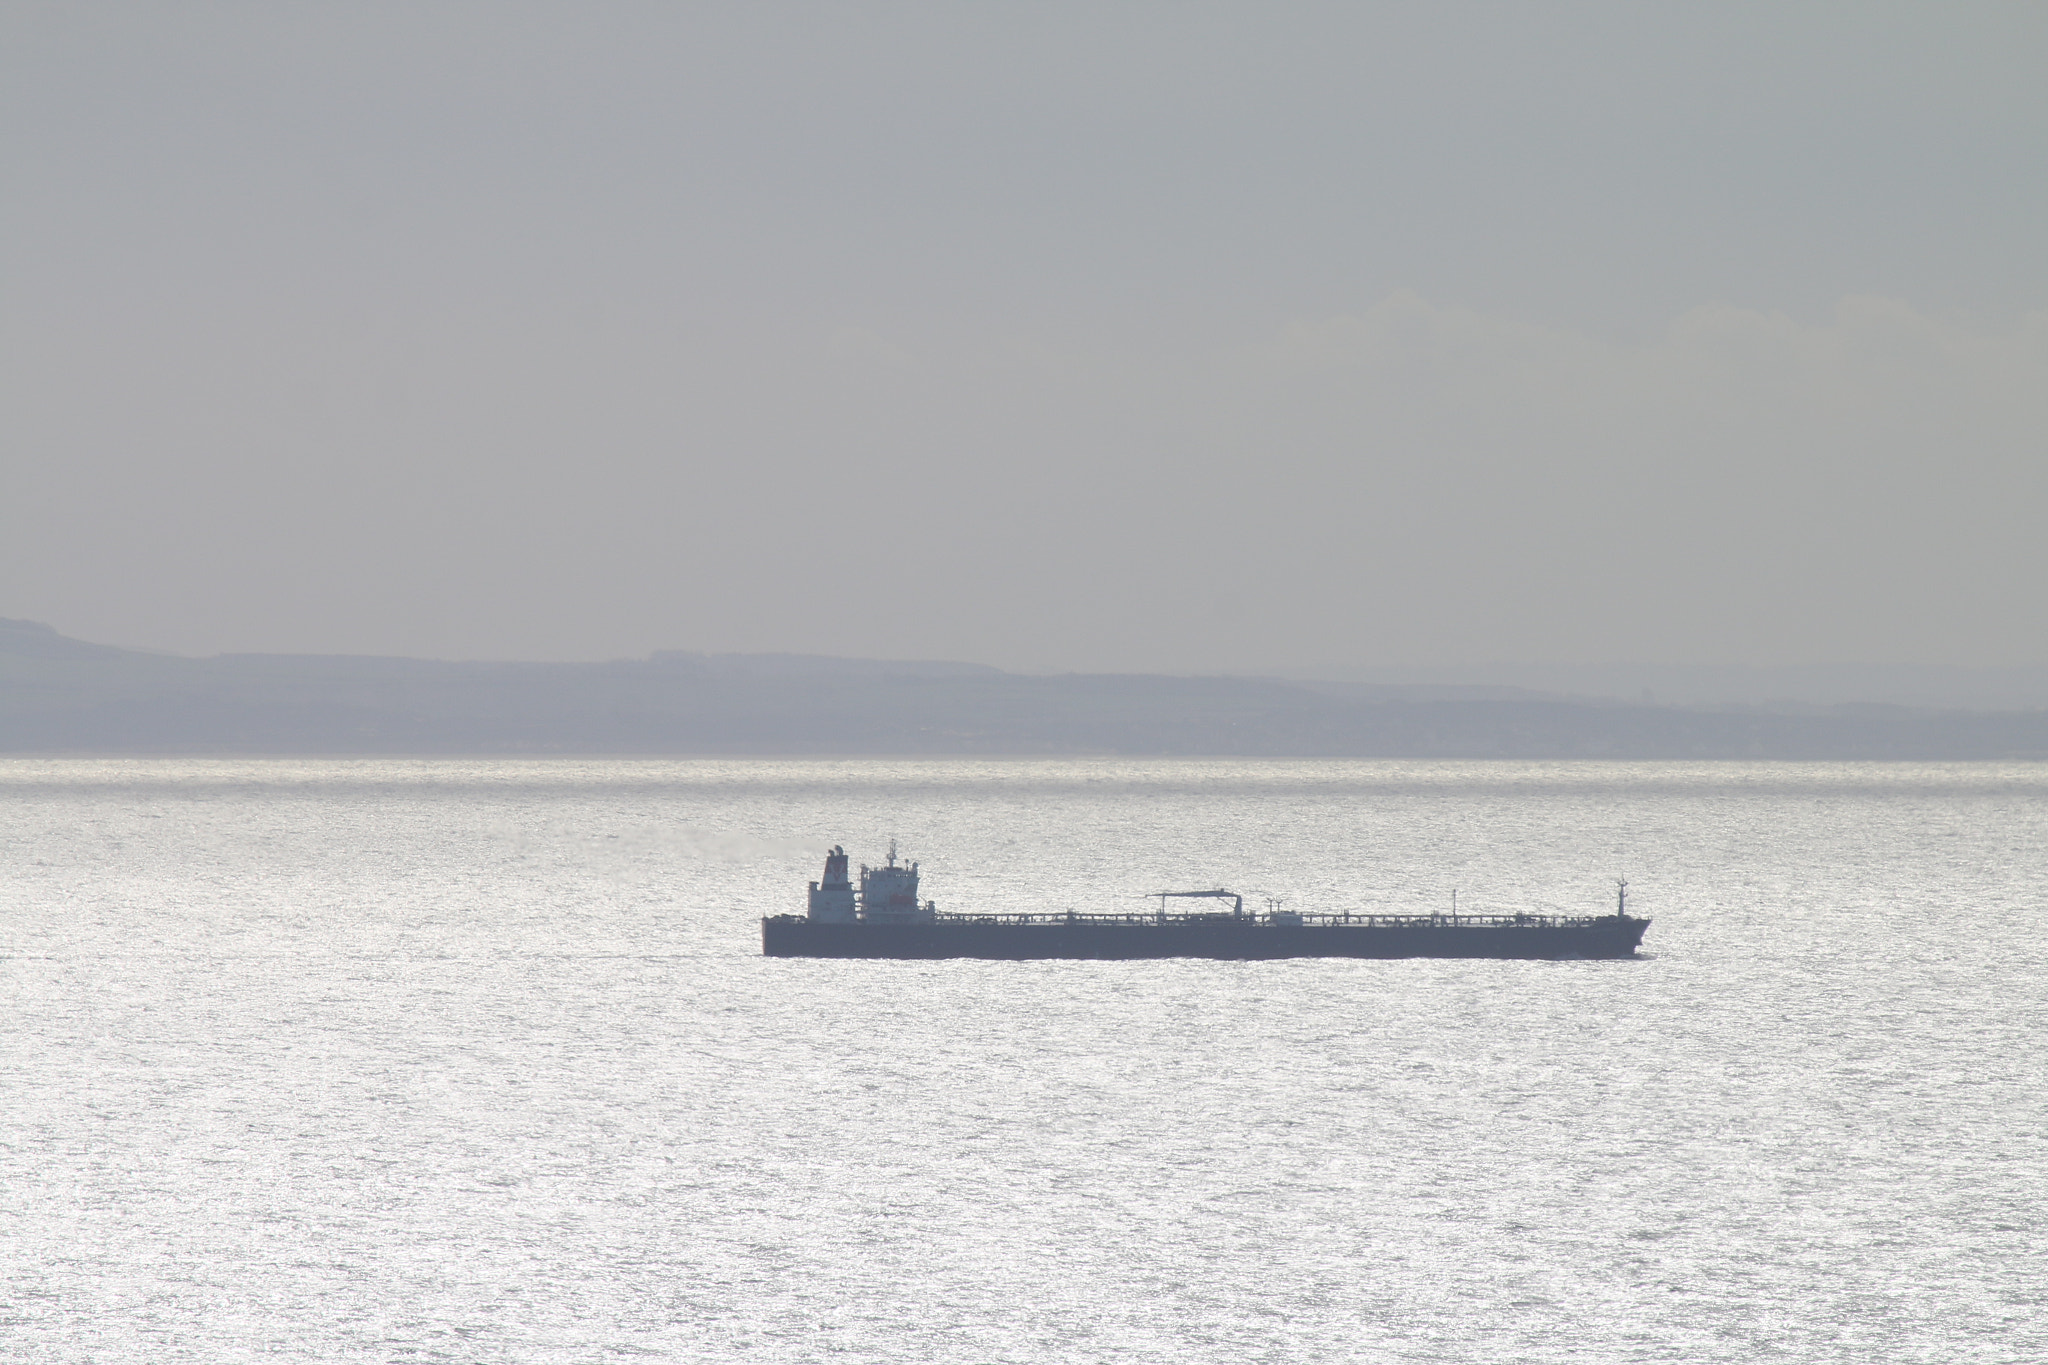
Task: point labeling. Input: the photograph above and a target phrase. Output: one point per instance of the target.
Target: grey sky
(1178, 337)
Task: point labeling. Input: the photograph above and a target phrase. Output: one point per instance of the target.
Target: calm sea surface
(478, 1061)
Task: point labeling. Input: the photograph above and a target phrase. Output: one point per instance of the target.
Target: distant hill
(61, 695)
(34, 640)
(1784, 687)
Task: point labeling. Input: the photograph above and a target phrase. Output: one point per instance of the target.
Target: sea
(466, 1060)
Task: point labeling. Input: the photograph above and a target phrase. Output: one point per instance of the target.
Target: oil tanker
(884, 918)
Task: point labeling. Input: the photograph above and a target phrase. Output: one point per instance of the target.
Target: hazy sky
(1107, 336)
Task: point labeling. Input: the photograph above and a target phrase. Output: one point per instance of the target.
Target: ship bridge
(888, 894)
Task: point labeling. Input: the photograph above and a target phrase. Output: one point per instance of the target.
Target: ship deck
(1301, 921)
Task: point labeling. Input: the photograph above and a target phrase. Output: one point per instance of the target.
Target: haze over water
(478, 1061)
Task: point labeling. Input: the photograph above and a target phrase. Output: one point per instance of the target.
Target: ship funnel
(832, 899)
(835, 868)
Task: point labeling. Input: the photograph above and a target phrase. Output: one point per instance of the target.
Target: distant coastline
(59, 696)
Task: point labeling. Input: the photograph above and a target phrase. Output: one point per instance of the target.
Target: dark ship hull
(1119, 938)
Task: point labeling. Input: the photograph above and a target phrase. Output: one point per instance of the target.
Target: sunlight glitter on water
(473, 1060)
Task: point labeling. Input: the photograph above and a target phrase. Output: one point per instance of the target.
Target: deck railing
(1306, 921)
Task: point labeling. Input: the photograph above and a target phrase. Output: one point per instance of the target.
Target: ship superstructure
(886, 919)
(888, 894)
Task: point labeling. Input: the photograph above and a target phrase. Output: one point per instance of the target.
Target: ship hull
(796, 936)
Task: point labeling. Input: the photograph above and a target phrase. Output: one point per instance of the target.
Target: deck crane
(1219, 894)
